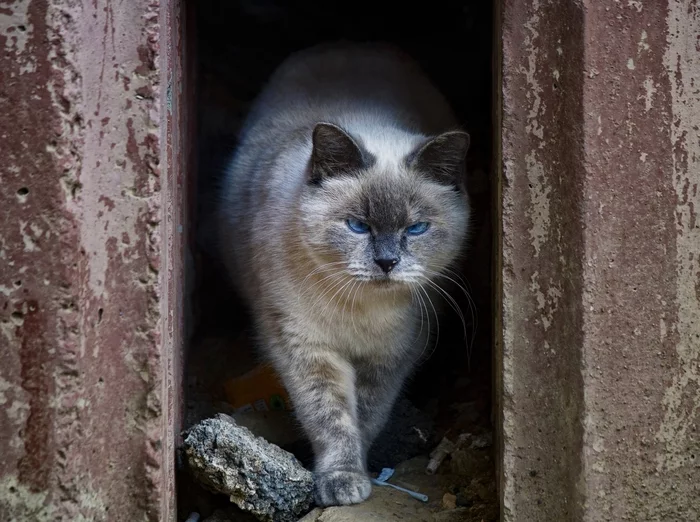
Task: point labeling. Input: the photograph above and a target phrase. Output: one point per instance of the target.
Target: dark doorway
(239, 44)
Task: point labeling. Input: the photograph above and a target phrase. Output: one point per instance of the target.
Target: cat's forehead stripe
(387, 202)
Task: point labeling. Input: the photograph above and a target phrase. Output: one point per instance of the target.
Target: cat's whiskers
(360, 286)
(410, 277)
(470, 302)
(327, 283)
(345, 301)
(427, 313)
(320, 269)
(451, 301)
(335, 301)
(310, 289)
(466, 289)
(414, 294)
(329, 289)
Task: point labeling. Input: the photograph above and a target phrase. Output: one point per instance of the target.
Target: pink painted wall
(91, 237)
(599, 354)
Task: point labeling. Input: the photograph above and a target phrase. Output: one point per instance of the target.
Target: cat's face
(402, 224)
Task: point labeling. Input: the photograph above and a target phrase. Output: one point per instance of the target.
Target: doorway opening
(238, 45)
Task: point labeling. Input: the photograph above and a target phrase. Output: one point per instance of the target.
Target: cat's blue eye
(418, 228)
(357, 226)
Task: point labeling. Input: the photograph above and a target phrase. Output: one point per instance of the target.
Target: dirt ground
(463, 489)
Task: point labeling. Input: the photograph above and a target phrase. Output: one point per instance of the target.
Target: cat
(345, 197)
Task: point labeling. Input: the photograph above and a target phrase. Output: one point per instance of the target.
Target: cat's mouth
(385, 281)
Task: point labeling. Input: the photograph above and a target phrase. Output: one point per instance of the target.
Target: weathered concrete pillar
(600, 266)
(91, 223)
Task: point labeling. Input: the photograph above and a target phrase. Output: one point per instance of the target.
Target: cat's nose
(386, 264)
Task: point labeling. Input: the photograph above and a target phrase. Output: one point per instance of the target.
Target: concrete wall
(599, 378)
(90, 219)
(599, 259)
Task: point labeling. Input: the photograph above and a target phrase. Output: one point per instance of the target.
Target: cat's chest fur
(372, 327)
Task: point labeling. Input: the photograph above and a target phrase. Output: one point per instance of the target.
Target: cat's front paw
(340, 488)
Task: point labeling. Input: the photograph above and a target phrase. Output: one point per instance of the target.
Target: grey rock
(259, 477)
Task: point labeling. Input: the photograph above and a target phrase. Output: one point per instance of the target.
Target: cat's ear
(335, 153)
(442, 158)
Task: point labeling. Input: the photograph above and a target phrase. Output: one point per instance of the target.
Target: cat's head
(383, 218)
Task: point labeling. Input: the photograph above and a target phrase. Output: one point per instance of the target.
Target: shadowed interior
(239, 44)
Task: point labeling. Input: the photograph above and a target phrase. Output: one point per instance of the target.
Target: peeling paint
(636, 5)
(24, 503)
(599, 381)
(539, 197)
(29, 505)
(649, 91)
(680, 429)
(540, 266)
(5, 385)
(16, 31)
(534, 95)
(539, 190)
(642, 45)
(29, 243)
(84, 244)
(547, 303)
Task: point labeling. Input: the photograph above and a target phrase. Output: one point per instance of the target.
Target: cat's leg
(322, 387)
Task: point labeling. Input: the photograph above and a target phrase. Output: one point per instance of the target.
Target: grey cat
(343, 204)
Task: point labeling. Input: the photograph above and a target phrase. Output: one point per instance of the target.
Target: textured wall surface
(600, 378)
(90, 215)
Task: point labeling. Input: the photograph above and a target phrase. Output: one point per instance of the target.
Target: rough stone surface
(259, 477)
(90, 193)
(598, 364)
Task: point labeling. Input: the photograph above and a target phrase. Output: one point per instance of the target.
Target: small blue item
(386, 474)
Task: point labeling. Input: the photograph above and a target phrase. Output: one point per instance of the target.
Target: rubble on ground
(407, 434)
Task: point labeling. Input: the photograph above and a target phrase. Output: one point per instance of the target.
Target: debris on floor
(449, 501)
(388, 504)
(440, 447)
(439, 454)
(385, 475)
(262, 479)
(259, 477)
(438, 442)
(407, 434)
